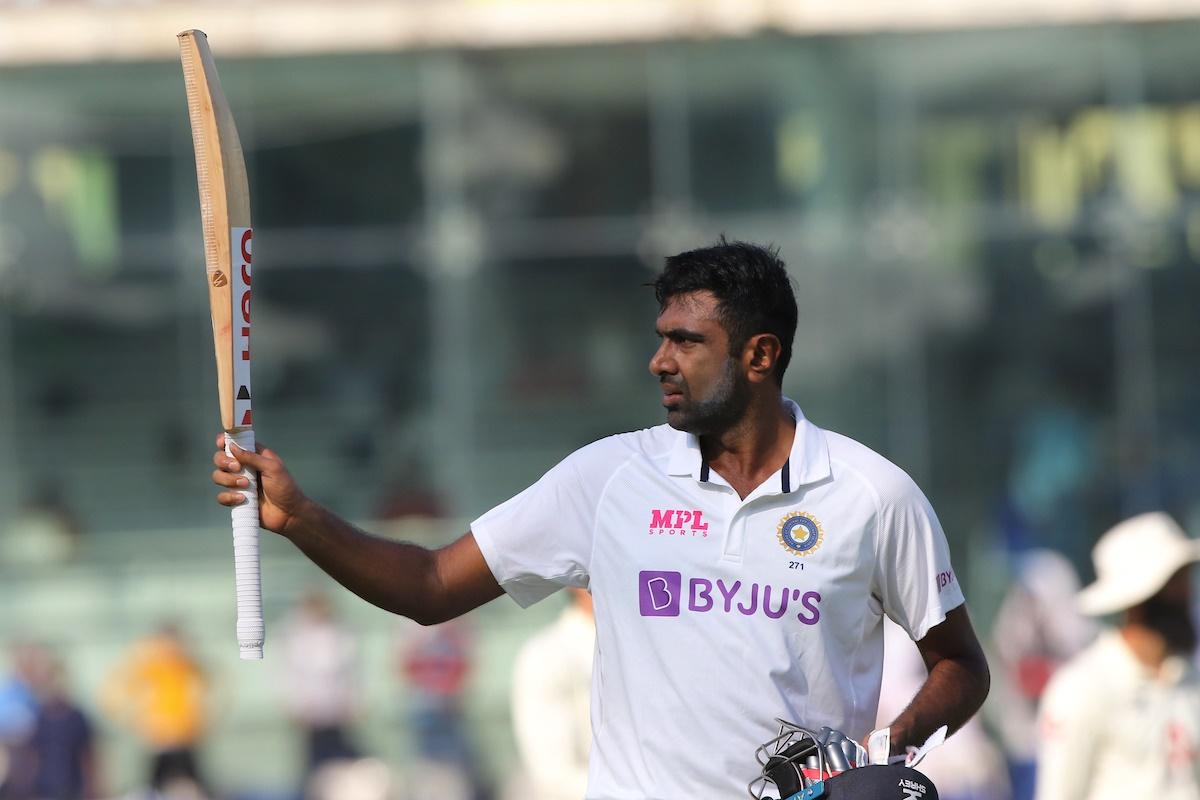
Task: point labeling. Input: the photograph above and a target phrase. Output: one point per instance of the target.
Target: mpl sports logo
(682, 522)
(661, 594)
(240, 246)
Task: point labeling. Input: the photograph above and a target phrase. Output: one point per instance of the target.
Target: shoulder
(613, 452)
(1081, 677)
(854, 461)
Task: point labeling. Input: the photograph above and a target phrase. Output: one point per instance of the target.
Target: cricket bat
(225, 218)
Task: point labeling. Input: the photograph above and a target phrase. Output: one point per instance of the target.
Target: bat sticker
(240, 247)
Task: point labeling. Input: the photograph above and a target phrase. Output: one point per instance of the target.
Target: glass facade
(982, 226)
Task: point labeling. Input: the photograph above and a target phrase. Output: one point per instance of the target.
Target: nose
(662, 362)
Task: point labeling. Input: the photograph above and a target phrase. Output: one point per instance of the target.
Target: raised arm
(428, 586)
(957, 685)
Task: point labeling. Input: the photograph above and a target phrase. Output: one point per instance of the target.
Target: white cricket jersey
(1109, 726)
(715, 615)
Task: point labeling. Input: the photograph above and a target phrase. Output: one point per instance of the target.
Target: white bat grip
(247, 576)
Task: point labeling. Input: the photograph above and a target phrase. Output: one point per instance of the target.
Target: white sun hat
(1134, 560)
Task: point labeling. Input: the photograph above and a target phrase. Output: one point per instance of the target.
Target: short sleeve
(915, 581)
(541, 540)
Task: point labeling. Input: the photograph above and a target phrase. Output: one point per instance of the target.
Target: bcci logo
(800, 533)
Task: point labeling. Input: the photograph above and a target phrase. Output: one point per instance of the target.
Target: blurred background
(991, 213)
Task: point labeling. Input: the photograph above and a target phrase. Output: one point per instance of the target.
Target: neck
(1148, 646)
(756, 446)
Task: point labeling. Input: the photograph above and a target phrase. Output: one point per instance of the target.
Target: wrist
(302, 520)
(901, 737)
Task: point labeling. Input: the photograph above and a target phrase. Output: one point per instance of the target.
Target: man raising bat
(741, 559)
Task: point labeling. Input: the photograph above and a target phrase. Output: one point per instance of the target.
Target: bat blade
(228, 238)
(224, 214)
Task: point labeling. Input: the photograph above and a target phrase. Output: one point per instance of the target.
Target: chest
(701, 544)
(1167, 716)
(1154, 730)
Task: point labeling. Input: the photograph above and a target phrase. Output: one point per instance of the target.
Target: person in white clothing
(319, 681)
(1036, 630)
(741, 558)
(551, 696)
(1123, 716)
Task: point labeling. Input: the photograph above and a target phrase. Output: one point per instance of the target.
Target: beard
(1173, 621)
(723, 406)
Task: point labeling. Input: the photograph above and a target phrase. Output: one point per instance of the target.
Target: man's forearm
(953, 692)
(396, 576)
(428, 586)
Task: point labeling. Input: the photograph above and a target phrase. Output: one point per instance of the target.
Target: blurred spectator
(62, 744)
(361, 779)
(30, 663)
(1036, 630)
(160, 691)
(552, 681)
(968, 766)
(319, 681)
(435, 663)
(45, 531)
(1124, 714)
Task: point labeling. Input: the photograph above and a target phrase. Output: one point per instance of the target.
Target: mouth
(671, 395)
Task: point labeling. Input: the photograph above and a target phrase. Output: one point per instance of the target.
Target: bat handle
(247, 575)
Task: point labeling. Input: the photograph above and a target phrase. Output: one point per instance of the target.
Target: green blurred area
(125, 588)
(994, 237)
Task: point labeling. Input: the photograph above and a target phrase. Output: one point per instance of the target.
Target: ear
(760, 357)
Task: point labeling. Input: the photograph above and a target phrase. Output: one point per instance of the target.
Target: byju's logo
(661, 594)
(658, 593)
(944, 579)
(678, 522)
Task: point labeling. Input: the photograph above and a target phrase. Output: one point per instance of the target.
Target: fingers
(258, 448)
(228, 472)
(241, 458)
(255, 460)
(230, 499)
(230, 480)
(225, 464)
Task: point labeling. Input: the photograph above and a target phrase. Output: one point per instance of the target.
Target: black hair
(754, 293)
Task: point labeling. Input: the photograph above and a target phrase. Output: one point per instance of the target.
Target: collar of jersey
(808, 461)
(1124, 666)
